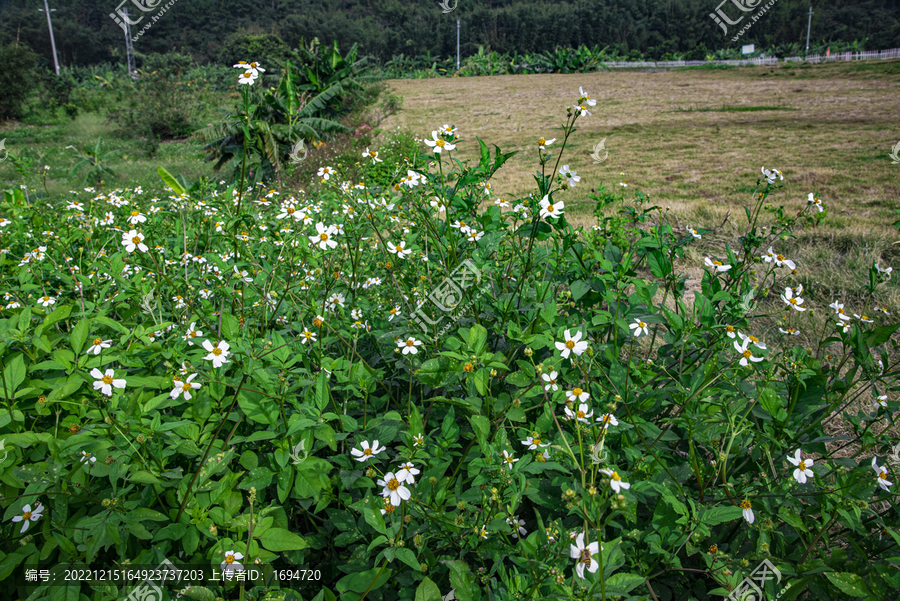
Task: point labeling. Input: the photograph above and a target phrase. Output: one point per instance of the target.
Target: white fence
(848, 56)
(644, 64)
(812, 58)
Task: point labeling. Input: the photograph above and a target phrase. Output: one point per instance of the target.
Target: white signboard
(748, 49)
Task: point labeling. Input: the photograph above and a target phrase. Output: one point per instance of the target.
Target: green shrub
(16, 82)
(250, 374)
(165, 99)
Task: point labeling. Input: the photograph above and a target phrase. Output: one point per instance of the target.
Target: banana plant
(268, 129)
(96, 159)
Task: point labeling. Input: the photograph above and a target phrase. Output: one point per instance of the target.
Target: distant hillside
(85, 33)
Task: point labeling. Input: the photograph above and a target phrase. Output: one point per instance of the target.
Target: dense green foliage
(15, 82)
(212, 30)
(196, 373)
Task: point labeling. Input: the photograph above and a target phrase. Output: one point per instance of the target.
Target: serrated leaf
(279, 539)
(718, 515)
(428, 591)
(851, 584)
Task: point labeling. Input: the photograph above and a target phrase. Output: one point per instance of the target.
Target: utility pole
(129, 47)
(808, 27)
(457, 45)
(46, 9)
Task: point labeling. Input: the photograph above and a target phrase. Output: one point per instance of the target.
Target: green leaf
(477, 338)
(434, 372)
(769, 401)
(200, 593)
(170, 181)
(59, 313)
(249, 460)
(428, 591)
(881, 334)
(718, 515)
(482, 427)
(360, 582)
(60, 392)
(407, 556)
(144, 477)
(851, 584)
(14, 375)
(548, 313)
(279, 539)
(462, 580)
(373, 516)
(580, 288)
(322, 391)
(621, 584)
(112, 324)
(258, 478)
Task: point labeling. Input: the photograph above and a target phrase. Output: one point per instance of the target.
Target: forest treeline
(213, 30)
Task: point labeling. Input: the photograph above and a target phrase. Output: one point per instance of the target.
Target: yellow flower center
(536, 440)
(719, 263)
(440, 143)
(641, 324)
(745, 504)
(248, 74)
(393, 484)
(410, 342)
(550, 208)
(107, 379)
(779, 257)
(317, 322)
(883, 475)
(46, 298)
(570, 344)
(323, 237)
(217, 351)
(186, 386)
(98, 341)
(615, 476)
(580, 414)
(367, 452)
(864, 317)
(606, 418)
(193, 334)
(577, 392)
(802, 466)
(372, 153)
(542, 141)
(747, 354)
(753, 339)
(26, 516)
(307, 334)
(793, 301)
(229, 559)
(135, 213)
(136, 239)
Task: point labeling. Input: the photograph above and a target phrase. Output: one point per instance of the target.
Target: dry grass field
(695, 141)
